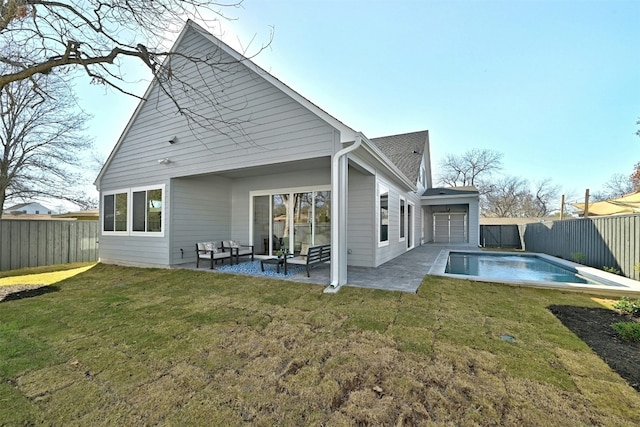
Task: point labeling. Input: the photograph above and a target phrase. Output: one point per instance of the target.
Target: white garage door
(450, 228)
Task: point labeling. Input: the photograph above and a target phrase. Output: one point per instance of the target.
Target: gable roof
(21, 206)
(405, 151)
(399, 153)
(347, 134)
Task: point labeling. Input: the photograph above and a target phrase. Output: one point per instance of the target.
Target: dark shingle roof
(451, 191)
(405, 151)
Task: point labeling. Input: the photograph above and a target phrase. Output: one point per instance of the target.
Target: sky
(554, 85)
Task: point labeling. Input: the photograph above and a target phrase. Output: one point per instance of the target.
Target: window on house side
(384, 214)
(147, 211)
(402, 218)
(115, 212)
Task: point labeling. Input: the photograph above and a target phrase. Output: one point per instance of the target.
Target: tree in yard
(618, 185)
(513, 197)
(41, 139)
(635, 177)
(98, 37)
(470, 168)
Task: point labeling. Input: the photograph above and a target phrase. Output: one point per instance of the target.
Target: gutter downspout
(339, 212)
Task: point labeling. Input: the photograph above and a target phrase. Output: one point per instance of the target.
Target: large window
(147, 210)
(383, 201)
(115, 208)
(134, 211)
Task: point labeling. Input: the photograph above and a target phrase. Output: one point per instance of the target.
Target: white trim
(358, 163)
(381, 188)
(347, 134)
(290, 191)
(411, 224)
(145, 188)
(390, 166)
(339, 213)
(305, 189)
(102, 212)
(402, 221)
(129, 192)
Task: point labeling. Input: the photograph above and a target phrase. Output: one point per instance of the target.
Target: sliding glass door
(293, 221)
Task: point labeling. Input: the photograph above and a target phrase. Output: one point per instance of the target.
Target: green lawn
(128, 346)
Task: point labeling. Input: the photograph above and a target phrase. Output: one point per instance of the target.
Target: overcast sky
(552, 84)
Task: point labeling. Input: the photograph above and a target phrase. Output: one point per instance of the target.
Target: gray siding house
(273, 169)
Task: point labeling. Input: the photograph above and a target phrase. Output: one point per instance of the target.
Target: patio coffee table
(275, 261)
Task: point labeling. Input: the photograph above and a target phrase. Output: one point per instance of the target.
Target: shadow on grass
(593, 326)
(29, 293)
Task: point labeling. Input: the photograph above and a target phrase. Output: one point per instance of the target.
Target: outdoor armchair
(237, 250)
(211, 252)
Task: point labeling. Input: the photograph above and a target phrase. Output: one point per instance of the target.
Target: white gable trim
(346, 133)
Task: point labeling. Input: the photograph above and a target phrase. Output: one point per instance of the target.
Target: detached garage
(451, 215)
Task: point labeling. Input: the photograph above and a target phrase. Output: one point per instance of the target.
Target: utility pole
(586, 203)
(562, 208)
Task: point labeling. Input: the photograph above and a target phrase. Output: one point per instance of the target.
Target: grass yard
(128, 346)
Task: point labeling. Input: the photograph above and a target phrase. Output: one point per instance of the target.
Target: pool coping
(613, 285)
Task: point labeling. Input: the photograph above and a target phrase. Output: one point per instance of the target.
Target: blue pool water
(510, 267)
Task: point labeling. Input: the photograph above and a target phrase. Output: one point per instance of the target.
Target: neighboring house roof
(22, 216)
(17, 207)
(405, 151)
(451, 191)
(629, 203)
(92, 214)
(28, 208)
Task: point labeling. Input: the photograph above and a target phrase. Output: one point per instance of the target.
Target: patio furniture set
(229, 249)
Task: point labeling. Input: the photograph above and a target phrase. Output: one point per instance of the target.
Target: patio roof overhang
(449, 195)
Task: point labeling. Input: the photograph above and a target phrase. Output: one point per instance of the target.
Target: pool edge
(623, 285)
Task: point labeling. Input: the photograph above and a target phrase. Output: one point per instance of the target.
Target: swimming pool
(529, 269)
(511, 267)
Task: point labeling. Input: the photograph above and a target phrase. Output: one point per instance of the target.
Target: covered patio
(403, 273)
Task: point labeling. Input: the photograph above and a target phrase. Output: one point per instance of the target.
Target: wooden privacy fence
(612, 241)
(33, 243)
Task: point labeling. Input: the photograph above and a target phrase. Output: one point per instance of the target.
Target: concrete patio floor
(403, 273)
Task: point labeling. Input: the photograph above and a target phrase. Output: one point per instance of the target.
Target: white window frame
(286, 190)
(382, 189)
(146, 188)
(413, 224)
(402, 221)
(129, 192)
(102, 213)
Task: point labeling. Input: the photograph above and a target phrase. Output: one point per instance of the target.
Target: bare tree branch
(41, 140)
(469, 168)
(97, 37)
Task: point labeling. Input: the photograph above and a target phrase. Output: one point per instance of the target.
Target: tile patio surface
(403, 273)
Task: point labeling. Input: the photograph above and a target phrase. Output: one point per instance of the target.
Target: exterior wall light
(173, 140)
(164, 161)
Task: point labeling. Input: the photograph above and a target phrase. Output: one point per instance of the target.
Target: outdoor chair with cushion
(237, 250)
(311, 255)
(209, 251)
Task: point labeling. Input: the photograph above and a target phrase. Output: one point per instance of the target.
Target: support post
(586, 204)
